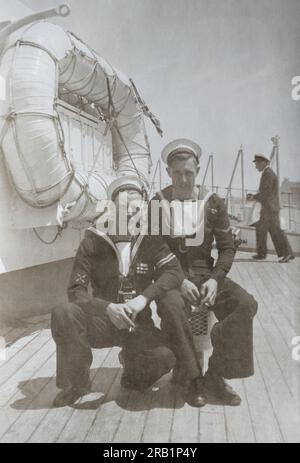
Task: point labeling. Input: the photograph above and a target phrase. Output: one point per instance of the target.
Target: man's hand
(118, 315)
(250, 197)
(136, 305)
(209, 292)
(190, 291)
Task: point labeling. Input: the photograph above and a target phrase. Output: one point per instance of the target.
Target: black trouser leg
(261, 236)
(77, 329)
(175, 325)
(232, 335)
(278, 236)
(75, 333)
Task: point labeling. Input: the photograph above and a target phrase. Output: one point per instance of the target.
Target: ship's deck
(270, 408)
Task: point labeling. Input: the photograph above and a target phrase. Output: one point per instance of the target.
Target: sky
(216, 71)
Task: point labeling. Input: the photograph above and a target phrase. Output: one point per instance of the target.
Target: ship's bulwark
(28, 266)
(35, 290)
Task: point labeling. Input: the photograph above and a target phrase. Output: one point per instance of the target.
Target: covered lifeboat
(50, 73)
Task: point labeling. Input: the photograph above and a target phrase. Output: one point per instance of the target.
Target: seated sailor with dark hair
(126, 273)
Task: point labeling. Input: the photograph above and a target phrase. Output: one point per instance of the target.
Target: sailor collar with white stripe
(110, 241)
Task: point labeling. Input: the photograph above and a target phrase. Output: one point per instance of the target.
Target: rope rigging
(57, 235)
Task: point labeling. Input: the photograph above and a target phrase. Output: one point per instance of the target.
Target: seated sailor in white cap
(124, 280)
(205, 282)
(269, 221)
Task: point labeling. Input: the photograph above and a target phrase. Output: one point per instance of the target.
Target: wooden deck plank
(284, 406)
(280, 349)
(10, 388)
(239, 425)
(39, 418)
(15, 329)
(34, 409)
(264, 315)
(212, 428)
(275, 310)
(287, 274)
(186, 422)
(23, 354)
(276, 279)
(285, 300)
(16, 340)
(106, 422)
(259, 339)
(108, 417)
(261, 344)
(272, 311)
(263, 418)
(85, 416)
(49, 425)
(256, 394)
(290, 272)
(132, 420)
(160, 416)
(274, 297)
(21, 402)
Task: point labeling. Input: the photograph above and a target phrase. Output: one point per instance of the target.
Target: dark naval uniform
(232, 335)
(83, 323)
(269, 221)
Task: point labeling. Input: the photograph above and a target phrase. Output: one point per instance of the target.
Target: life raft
(44, 68)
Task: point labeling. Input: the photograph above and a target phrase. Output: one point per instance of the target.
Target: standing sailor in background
(118, 312)
(269, 221)
(206, 283)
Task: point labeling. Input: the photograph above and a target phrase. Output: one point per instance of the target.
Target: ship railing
(290, 203)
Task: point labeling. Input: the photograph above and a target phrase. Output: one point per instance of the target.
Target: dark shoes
(282, 260)
(70, 395)
(195, 394)
(220, 389)
(286, 259)
(259, 257)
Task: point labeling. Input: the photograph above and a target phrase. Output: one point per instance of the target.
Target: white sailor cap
(128, 182)
(260, 157)
(181, 145)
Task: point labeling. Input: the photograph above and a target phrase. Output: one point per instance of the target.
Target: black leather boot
(216, 385)
(70, 395)
(195, 394)
(259, 257)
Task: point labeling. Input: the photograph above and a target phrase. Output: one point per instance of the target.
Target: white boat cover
(43, 65)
